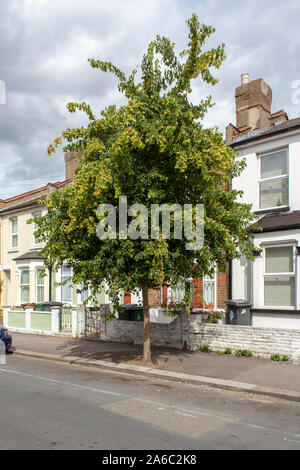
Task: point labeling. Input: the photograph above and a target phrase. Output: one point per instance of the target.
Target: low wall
(39, 322)
(16, 319)
(189, 331)
(263, 341)
(123, 331)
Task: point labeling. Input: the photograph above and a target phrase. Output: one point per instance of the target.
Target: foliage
(243, 352)
(212, 317)
(204, 349)
(226, 351)
(154, 150)
(276, 357)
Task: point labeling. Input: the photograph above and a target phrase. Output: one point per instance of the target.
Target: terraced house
(21, 263)
(270, 143)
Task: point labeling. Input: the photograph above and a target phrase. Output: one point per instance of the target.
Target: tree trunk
(147, 349)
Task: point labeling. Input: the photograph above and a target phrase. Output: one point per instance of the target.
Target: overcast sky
(45, 44)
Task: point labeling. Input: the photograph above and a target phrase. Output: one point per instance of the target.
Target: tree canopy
(153, 150)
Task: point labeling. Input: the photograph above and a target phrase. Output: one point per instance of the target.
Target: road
(48, 405)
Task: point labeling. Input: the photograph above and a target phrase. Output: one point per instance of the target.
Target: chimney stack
(253, 103)
(71, 164)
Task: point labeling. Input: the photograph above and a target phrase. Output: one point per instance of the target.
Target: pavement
(251, 375)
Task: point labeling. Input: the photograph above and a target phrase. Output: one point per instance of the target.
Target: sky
(45, 44)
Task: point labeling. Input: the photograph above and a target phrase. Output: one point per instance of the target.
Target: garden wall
(189, 331)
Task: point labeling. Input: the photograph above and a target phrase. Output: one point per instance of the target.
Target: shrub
(285, 358)
(226, 351)
(243, 352)
(213, 318)
(204, 349)
(275, 357)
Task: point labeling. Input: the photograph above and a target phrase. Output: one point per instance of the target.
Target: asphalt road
(47, 405)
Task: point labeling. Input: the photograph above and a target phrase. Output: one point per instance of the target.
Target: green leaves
(154, 150)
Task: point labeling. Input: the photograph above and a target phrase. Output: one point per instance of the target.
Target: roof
(30, 198)
(33, 191)
(23, 204)
(277, 128)
(279, 221)
(29, 255)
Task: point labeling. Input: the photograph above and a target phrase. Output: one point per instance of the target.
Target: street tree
(153, 150)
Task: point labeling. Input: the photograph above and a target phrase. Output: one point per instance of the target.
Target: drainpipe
(230, 280)
(50, 282)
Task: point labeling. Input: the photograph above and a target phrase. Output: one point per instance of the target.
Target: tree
(153, 150)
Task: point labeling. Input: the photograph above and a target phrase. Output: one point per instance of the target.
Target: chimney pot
(245, 78)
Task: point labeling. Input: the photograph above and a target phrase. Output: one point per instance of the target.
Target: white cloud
(44, 47)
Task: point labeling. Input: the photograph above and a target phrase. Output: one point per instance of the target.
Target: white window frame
(62, 286)
(214, 281)
(290, 274)
(35, 239)
(86, 292)
(37, 285)
(263, 180)
(24, 268)
(14, 234)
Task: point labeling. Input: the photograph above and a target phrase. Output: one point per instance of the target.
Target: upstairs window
(279, 277)
(14, 232)
(273, 184)
(37, 240)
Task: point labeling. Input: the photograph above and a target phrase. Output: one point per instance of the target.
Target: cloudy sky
(45, 44)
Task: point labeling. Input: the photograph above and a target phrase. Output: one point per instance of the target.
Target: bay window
(279, 276)
(273, 183)
(66, 289)
(39, 286)
(24, 285)
(84, 294)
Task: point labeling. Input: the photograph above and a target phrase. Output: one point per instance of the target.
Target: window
(209, 286)
(279, 277)
(84, 295)
(37, 240)
(39, 286)
(273, 185)
(177, 292)
(66, 289)
(24, 285)
(14, 232)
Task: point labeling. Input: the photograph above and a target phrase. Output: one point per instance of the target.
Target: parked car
(5, 336)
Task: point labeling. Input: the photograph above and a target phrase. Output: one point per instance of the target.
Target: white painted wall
(248, 180)
(247, 277)
(276, 320)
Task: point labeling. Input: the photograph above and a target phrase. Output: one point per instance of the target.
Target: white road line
(186, 411)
